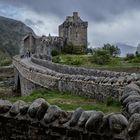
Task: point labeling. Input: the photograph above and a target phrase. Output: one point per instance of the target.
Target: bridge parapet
(64, 78)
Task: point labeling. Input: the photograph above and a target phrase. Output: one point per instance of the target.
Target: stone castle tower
(74, 30)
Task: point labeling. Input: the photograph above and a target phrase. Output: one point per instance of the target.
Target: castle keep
(74, 31)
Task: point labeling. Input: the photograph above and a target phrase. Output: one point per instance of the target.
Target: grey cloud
(32, 23)
(96, 10)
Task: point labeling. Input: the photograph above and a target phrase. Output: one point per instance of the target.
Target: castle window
(76, 34)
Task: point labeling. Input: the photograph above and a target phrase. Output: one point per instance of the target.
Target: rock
(117, 123)
(5, 106)
(134, 124)
(121, 80)
(105, 124)
(38, 108)
(75, 117)
(132, 87)
(52, 114)
(112, 80)
(64, 117)
(131, 99)
(129, 78)
(42, 110)
(124, 96)
(17, 106)
(134, 108)
(84, 117)
(24, 109)
(94, 122)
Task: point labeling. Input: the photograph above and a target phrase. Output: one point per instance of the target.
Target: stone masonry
(41, 121)
(74, 30)
(84, 82)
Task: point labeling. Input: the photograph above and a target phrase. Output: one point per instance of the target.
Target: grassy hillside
(67, 101)
(11, 33)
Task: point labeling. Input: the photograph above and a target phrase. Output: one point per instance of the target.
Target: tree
(101, 56)
(113, 50)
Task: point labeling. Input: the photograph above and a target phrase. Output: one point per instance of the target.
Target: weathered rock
(75, 117)
(120, 80)
(94, 120)
(124, 96)
(41, 110)
(117, 123)
(134, 108)
(129, 78)
(17, 106)
(64, 117)
(5, 106)
(131, 99)
(134, 124)
(84, 117)
(131, 87)
(53, 113)
(24, 109)
(38, 108)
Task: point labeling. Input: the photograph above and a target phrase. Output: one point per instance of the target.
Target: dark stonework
(78, 125)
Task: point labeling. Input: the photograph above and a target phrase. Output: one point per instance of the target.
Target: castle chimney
(75, 14)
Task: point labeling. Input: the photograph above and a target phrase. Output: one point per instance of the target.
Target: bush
(135, 60)
(6, 62)
(130, 56)
(101, 56)
(111, 102)
(112, 50)
(56, 59)
(55, 52)
(72, 49)
(73, 61)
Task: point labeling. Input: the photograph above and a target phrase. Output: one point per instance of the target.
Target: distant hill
(125, 49)
(11, 33)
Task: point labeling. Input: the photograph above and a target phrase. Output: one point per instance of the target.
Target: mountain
(11, 33)
(125, 49)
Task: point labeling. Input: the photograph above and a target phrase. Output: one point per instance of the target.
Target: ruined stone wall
(40, 121)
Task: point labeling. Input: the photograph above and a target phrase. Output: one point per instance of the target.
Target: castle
(73, 31)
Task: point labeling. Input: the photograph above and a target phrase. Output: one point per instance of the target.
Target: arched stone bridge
(34, 73)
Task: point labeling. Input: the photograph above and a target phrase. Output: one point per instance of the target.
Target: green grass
(69, 102)
(116, 64)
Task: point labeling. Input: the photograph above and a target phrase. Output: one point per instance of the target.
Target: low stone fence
(65, 69)
(40, 120)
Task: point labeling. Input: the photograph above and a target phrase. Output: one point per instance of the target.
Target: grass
(69, 102)
(116, 64)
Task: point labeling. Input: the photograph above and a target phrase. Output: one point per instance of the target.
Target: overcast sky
(110, 21)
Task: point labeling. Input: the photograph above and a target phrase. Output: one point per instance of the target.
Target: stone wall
(40, 120)
(100, 85)
(65, 69)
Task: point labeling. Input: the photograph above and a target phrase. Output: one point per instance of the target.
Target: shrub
(101, 56)
(5, 62)
(55, 52)
(73, 61)
(135, 60)
(129, 56)
(111, 102)
(56, 59)
(73, 49)
(113, 50)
